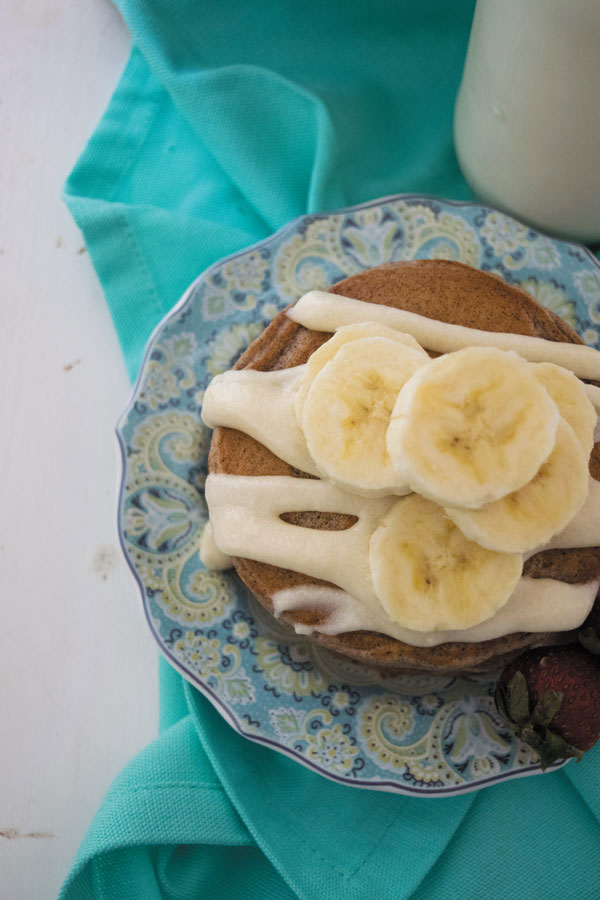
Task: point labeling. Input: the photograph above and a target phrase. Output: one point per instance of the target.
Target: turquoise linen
(230, 119)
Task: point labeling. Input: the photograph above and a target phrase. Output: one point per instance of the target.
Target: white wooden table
(78, 667)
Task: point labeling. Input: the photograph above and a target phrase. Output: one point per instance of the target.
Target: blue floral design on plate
(420, 735)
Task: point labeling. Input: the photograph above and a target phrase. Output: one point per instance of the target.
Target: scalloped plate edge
(290, 226)
(217, 703)
(392, 787)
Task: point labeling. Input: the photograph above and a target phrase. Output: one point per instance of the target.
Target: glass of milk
(527, 119)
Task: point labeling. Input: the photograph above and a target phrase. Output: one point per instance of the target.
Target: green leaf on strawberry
(550, 698)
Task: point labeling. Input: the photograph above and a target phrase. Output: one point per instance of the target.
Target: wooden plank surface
(78, 685)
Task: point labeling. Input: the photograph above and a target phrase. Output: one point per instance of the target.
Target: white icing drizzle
(536, 605)
(593, 393)
(322, 311)
(584, 529)
(245, 513)
(213, 558)
(344, 612)
(261, 404)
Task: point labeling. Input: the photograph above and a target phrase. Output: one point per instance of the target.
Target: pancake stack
(449, 292)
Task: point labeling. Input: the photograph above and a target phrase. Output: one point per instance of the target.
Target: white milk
(527, 122)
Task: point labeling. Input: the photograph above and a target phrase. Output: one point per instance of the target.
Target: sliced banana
(347, 411)
(533, 514)
(342, 336)
(471, 427)
(569, 394)
(429, 577)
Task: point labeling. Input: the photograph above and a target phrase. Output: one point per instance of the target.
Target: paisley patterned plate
(425, 735)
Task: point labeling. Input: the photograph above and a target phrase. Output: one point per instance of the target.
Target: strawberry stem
(514, 703)
(518, 698)
(547, 707)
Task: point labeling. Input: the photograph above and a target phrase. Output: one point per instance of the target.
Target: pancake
(449, 292)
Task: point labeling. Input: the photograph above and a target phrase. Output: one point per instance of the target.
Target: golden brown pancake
(450, 292)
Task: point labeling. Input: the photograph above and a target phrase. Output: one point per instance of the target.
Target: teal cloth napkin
(230, 119)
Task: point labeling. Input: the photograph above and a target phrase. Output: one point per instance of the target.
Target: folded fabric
(229, 120)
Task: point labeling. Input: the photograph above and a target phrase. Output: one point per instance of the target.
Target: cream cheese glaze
(245, 511)
(593, 393)
(211, 556)
(321, 311)
(537, 605)
(261, 404)
(584, 529)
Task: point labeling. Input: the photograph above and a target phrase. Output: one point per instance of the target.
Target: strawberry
(589, 633)
(550, 698)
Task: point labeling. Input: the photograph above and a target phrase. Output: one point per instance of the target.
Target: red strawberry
(551, 700)
(589, 633)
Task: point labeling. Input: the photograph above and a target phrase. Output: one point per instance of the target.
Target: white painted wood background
(78, 667)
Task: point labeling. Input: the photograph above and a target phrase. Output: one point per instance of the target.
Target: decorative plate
(425, 735)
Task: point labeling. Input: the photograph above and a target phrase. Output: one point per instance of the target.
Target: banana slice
(429, 577)
(569, 394)
(347, 411)
(471, 427)
(342, 336)
(532, 515)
